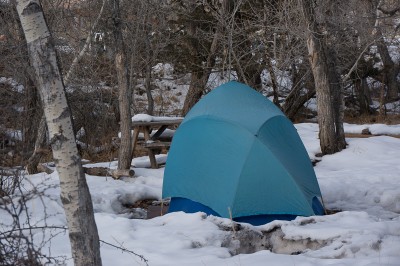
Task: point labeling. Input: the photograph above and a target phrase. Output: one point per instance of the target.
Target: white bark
(34, 160)
(75, 194)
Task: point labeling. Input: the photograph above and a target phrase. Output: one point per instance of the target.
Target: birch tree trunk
(40, 143)
(75, 194)
(327, 84)
(125, 91)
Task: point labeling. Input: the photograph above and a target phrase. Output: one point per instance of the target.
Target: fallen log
(120, 173)
(104, 171)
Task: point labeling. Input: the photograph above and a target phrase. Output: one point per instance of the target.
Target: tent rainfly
(236, 155)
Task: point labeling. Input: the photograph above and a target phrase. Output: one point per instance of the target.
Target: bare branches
(123, 249)
(85, 47)
(389, 12)
(347, 76)
(21, 239)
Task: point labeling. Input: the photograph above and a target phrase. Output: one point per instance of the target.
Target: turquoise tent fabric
(236, 152)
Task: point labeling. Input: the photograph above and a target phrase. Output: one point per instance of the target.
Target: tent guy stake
(233, 223)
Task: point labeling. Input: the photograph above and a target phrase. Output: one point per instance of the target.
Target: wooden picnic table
(153, 142)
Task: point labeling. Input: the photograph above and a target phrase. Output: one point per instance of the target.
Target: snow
(12, 133)
(362, 181)
(149, 118)
(13, 83)
(376, 129)
(167, 133)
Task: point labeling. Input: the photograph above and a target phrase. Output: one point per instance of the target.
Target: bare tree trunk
(197, 86)
(75, 194)
(295, 100)
(390, 69)
(125, 91)
(200, 76)
(363, 95)
(33, 113)
(77, 58)
(337, 99)
(150, 100)
(274, 82)
(329, 101)
(248, 68)
(249, 71)
(34, 160)
(382, 106)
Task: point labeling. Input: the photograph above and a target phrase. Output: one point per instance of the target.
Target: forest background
(118, 58)
(195, 46)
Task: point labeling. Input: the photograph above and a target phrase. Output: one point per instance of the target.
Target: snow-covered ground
(363, 181)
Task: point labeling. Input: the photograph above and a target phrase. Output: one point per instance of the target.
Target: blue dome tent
(237, 155)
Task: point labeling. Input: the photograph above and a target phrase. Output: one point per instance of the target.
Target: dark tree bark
(363, 95)
(274, 82)
(327, 83)
(125, 91)
(296, 99)
(337, 98)
(150, 100)
(200, 74)
(250, 74)
(33, 112)
(34, 160)
(390, 69)
(198, 82)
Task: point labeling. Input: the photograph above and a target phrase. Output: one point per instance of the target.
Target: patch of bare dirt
(151, 207)
(373, 119)
(358, 135)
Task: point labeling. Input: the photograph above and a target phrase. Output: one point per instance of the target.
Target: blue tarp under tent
(236, 155)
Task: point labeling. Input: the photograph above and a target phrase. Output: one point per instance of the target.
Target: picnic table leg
(152, 156)
(146, 132)
(153, 161)
(136, 131)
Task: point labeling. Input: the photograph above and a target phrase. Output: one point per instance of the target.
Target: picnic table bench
(153, 142)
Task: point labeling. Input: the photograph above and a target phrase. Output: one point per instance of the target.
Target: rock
(366, 131)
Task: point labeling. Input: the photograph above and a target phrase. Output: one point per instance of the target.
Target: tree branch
(389, 12)
(85, 47)
(126, 250)
(33, 228)
(347, 76)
